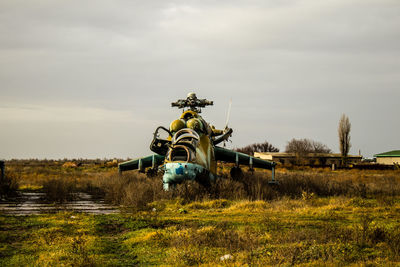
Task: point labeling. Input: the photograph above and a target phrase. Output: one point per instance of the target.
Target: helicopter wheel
(237, 174)
(204, 179)
(151, 172)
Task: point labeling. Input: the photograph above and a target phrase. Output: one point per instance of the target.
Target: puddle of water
(27, 203)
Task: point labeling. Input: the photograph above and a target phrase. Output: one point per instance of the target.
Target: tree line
(305, 145)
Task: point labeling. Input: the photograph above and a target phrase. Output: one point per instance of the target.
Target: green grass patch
(337, 231)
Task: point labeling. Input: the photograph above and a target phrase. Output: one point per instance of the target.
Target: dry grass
(133, 189)
(58, 190)
(137, 190)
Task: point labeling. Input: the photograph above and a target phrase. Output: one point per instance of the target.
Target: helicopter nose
(178, 172)
(181, 153)
(183, 147)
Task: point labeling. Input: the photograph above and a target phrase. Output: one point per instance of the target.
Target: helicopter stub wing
(141, 163)
(227, 155)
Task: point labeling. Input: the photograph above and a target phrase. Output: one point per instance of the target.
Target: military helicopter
(190, 152)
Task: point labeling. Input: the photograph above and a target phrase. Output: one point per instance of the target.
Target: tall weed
(9, 184)
(59, 190)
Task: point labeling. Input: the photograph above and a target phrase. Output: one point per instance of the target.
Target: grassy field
(315, 217)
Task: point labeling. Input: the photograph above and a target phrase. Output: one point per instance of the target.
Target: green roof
(393, 153)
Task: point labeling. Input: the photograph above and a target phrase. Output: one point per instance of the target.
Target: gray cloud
(291, 67)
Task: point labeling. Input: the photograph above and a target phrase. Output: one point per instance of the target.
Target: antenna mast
(229, 113)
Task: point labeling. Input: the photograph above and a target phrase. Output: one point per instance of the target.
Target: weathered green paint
(145, 163)
(223, 154)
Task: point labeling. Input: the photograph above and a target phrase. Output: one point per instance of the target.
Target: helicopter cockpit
(190, 124)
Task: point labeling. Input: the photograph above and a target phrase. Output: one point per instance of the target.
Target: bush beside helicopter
(190, 151)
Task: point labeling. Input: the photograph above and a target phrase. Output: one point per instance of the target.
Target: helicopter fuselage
(190, 157)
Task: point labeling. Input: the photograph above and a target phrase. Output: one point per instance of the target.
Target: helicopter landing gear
(236, 173)
(151, 172)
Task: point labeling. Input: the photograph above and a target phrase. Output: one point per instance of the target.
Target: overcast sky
(93, 79)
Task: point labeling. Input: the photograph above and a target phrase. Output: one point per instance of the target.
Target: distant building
(314, 159)
(388, 158)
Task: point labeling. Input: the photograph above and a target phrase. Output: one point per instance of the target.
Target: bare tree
(304, 146)
(344, 135)
(257, 147)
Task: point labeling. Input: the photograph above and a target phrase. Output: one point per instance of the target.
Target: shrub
(58, 190)
(9, 184)
(130, 189)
